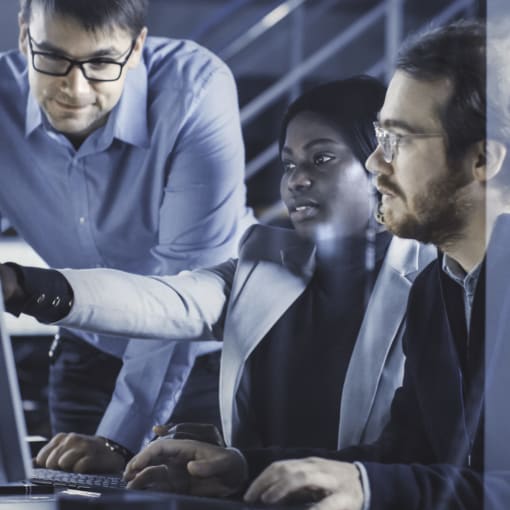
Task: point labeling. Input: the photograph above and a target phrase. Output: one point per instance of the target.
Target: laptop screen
(15, 461)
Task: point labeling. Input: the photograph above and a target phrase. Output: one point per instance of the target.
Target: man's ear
(23, 35)
(137, 50)
(488, 159)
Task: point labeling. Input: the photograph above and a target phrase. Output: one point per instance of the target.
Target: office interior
(276, 49)
(309, 42)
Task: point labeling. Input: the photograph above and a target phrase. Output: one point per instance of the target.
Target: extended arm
(186, 306)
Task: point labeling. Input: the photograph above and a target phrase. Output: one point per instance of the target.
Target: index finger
(270, 477)
(152, 454)
(149, 477)
(159, 478)
(167, 451)
(267, 479)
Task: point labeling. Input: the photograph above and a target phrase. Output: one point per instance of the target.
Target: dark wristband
(117, 448)
(46, 294)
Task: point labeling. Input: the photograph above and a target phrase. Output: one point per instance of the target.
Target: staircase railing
(282, 86)
(271, 19)
(388, 11)
(392, 12)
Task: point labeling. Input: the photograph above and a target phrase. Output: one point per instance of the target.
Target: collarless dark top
(298, 370)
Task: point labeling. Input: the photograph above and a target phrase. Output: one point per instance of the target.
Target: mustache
(384, 183)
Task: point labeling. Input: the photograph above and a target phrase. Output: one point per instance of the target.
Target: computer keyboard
(77, 480)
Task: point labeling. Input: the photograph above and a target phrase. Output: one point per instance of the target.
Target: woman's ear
(488, 159)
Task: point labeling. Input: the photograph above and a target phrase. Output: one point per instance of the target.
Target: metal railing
(217, 19)
(281, 87)
(392, 12)
(274, 92)
(388, 11)
(271, 19)
(275, 16)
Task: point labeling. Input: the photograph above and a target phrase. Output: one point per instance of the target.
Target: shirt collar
(33, 117)
(127, 121)
(453, 269)
(129, 118)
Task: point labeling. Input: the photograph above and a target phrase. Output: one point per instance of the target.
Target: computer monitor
(15, 460)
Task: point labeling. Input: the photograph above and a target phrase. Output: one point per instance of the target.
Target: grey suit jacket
(239, 301)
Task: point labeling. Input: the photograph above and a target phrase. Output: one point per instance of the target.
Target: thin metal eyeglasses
(389, 141)
(95, 69)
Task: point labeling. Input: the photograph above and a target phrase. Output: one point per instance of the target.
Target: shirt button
(82, 220)
(40, 299)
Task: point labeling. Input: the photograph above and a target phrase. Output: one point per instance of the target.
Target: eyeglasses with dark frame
(389, 141)
(94, 69)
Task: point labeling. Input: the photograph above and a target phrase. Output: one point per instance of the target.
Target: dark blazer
(431, 454)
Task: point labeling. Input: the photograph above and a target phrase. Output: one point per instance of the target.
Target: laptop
(16, 469)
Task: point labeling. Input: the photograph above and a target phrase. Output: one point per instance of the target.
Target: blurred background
(276, 50)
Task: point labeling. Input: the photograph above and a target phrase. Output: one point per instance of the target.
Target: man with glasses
(119, 150)
(99, 68)
(443, 174)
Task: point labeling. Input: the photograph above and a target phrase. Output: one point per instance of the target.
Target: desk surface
(28, 502)
(129, 500)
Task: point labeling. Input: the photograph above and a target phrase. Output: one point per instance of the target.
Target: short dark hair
(456, 52)
(129, 15)
(351, 105)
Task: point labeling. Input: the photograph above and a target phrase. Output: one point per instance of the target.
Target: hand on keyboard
(187, 466)
(79, 453)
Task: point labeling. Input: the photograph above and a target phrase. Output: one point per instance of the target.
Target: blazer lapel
(379, 330)
(262, 292)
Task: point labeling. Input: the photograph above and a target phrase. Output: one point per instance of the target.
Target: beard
(439, 215)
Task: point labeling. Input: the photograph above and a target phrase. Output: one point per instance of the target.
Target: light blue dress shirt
(156, 190)
(468, 282)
